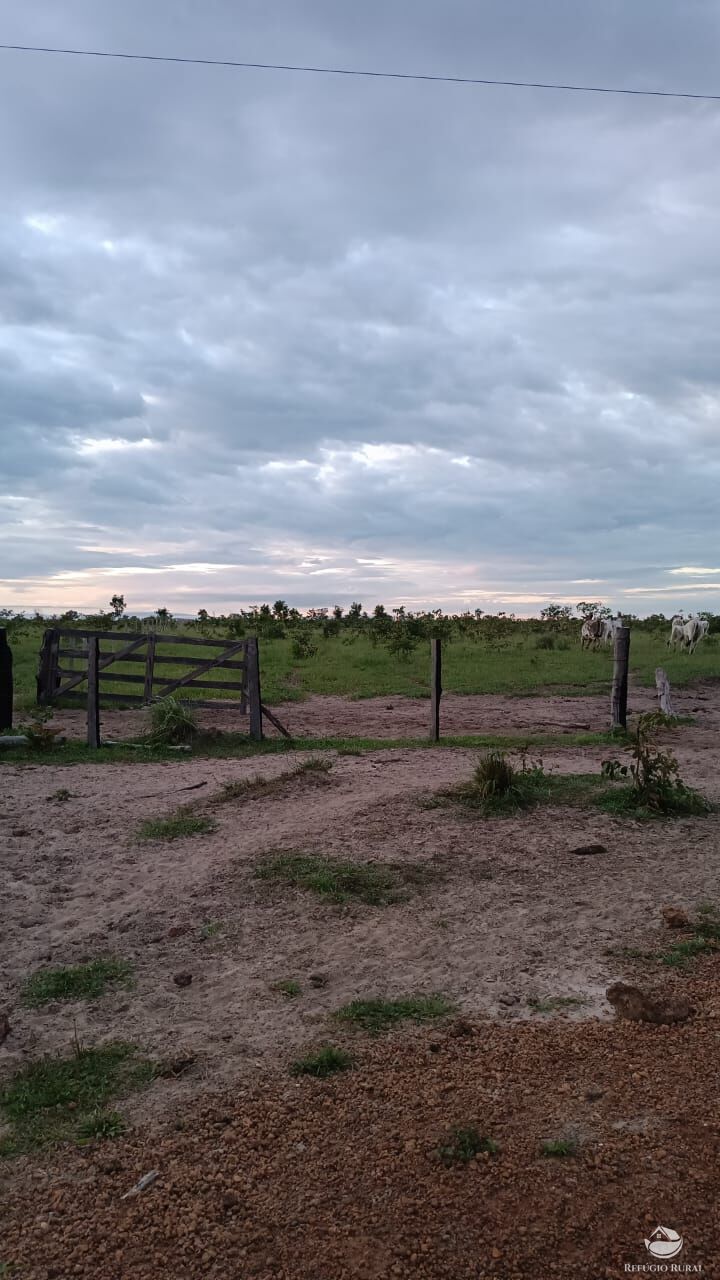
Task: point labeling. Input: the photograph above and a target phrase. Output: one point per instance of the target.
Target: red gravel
(319, 1180)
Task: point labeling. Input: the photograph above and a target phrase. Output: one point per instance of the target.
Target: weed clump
(177, 826)
(377, 1015)
(76, 982)
(324, 1062)
(376, 884)
(172, 723)
(463, 1144)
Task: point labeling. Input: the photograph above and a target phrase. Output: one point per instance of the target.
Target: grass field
(357, 669)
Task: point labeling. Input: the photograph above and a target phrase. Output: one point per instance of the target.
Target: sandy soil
(399, 717)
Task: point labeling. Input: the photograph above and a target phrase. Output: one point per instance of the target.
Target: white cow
(677, 632)
(693, 631)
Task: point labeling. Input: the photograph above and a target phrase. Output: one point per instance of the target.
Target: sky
(277, 335)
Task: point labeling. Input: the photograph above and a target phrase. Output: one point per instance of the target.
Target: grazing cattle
(693, 631)
(677, 632)
(592, 632)
(610, 628)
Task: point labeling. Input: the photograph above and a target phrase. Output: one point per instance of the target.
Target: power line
(377, 75)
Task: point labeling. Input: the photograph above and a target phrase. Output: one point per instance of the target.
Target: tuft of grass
(62, 794)
(558, 1148)
(75, 982)
(252, 788)
(463, 1144)
(101, 1125)
(704, 937)
(172, 723)
(176, 827)
(49, 1100)
(324, 1062)
(287, 987)
(553, 1003)
(679, 801)
(376, 884)
(210, 929)
(377, 1015)
(316, 764)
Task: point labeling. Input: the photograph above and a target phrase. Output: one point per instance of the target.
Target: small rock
(19, 831)
(461, 1027)
(594, 1095)
(639, 1006)
(508, 998)
(675, 917)
(318, 979)
(182, 979)
(178, 930)
(230, 1200)
(586, 850)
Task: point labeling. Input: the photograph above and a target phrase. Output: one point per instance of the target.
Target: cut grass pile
(465, 1143)
(56, 1099)
(324, 1062)
(176, 827)
(374, 883)
(378, 1015)
(75, 982)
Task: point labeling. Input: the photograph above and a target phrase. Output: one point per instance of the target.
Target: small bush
(172, 724)
(546, 641)
(302, 646)
(463, 1144)
(176, 827)
(324, 1062)
(494, 776)
(379, 1015)
(79, 982)
(656, 788)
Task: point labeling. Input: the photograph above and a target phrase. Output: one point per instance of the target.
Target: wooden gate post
(252, 673)
(435, 688)
(6, 682)
(47, 678)
(93, 693)
(618, 700)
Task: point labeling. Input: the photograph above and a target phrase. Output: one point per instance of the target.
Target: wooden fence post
(6, 682)
(93, 693)
(47, 678)
(618, 700)
(662, 684)
(253, 687)
(435, 688)
(149, 668)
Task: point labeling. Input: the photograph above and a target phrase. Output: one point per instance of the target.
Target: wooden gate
(132, 660)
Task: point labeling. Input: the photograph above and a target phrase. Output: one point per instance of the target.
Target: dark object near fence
(101, 653)
(6, 682)
(618, 700)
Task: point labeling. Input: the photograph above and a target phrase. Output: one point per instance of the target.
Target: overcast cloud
(277, 335)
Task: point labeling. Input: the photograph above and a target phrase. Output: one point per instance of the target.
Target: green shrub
(172, 723)
(324, 1062)
(463, 1144)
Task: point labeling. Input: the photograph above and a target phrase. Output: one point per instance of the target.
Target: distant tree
(118, 606)
(163, 617)
(337, 613)
(354, 613)
(555, 615)
(280, 610)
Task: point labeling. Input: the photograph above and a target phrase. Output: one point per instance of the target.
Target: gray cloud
(435, 325)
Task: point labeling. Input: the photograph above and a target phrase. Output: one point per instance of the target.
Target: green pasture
(352, 667)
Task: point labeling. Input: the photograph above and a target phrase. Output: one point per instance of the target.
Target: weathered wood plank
(149, 669)
(662, 684)
(229, 685)
(253, 688)
(170, 659)
(201, 668)
(621, 665)
(93, 694)
(435, 688)
(143, 635)
(274, 720)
